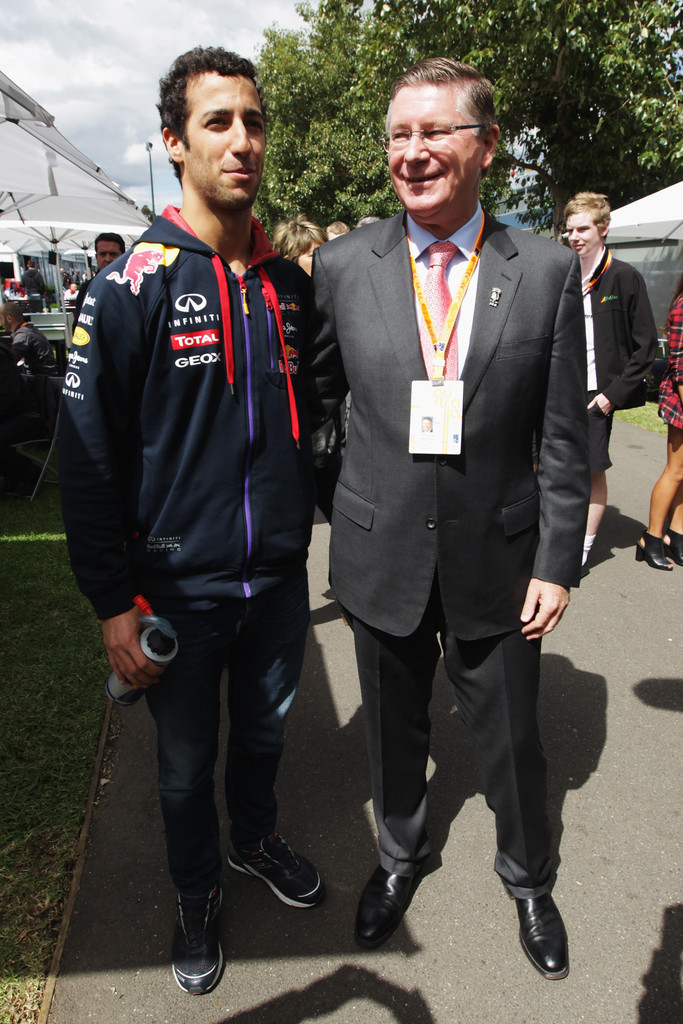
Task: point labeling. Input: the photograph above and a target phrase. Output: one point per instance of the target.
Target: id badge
(436, 417)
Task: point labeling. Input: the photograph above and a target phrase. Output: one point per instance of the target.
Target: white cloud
(97, 69)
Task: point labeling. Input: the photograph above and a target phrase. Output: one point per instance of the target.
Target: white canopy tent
(37, 164)
(52, 196)
(658, 216)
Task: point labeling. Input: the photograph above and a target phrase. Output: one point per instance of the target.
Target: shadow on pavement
(665, 694)
(617, 532)
(124, 912)
(663, 998)
(326, 995)
(572, 719)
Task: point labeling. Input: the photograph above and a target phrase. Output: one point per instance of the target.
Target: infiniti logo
(190, 301)
(72, 380)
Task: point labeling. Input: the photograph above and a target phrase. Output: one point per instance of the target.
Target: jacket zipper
(250, 447)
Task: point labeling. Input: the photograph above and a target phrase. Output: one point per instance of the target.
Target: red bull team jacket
(184, 450)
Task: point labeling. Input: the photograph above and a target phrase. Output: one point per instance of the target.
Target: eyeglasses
(431, 137)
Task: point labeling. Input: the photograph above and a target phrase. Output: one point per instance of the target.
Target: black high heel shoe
(652, 552)
(674, 549)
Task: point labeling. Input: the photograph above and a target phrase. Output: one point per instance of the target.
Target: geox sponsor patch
(146, 258)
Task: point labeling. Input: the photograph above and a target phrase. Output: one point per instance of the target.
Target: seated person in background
(20, 420)
(28, 344)
(71, 293)
(297, 239)
(11, 291)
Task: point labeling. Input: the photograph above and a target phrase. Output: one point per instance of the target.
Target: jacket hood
(171, 229)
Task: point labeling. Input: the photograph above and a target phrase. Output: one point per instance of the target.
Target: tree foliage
(323, 153)
(588, 94)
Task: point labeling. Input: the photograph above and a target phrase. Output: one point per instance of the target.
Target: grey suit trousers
(495, 682)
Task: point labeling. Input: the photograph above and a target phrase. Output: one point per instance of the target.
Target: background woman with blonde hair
(296, 240)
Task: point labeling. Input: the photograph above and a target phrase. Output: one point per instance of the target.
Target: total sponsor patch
(195, 340)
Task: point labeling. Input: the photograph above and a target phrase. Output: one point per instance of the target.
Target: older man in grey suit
(469, 534)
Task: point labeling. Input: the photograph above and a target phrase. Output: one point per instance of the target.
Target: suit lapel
(392, 284)
(391, 280)
(497, 284)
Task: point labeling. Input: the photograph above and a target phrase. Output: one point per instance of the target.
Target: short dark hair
(110, 236)
(201, 60)
(13, 309)
(477, 90)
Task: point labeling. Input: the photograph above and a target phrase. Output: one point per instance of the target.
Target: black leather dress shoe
(381, 907)
(543, 936)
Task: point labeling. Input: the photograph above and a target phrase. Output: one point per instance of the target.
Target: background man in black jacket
(32, 281)
(621, 339)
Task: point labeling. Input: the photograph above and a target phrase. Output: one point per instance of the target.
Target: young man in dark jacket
(187, 479)
(621, 339)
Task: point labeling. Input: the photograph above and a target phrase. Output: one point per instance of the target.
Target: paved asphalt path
(610, 712)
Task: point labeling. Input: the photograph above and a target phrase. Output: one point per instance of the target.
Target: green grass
(52, 670)
(644, 416)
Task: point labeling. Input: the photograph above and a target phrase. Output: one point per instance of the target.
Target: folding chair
(48, 391)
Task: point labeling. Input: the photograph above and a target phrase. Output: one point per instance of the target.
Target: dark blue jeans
(261, 641)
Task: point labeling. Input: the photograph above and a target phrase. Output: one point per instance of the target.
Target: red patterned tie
(438, 299)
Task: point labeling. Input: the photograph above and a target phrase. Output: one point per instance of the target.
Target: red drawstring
(271, 298)
(272, 301)
(219, 271)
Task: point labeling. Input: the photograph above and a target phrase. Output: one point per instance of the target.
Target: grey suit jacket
(485, 517)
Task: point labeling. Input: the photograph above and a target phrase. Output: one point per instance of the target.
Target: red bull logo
(144, 259)
(292, 360)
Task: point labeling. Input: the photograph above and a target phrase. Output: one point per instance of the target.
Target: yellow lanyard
(440, 344)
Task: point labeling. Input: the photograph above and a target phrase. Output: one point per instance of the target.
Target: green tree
(323, 157)
(588, 91)
(588, 94)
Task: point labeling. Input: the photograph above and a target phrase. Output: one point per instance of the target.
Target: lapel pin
(495, 296)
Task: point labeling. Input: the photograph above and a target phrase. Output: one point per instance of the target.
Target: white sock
(587, 545)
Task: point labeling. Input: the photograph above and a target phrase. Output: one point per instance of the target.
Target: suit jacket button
(431, 524)
(443, 461)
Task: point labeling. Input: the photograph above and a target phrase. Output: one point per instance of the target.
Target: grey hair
(476, 91)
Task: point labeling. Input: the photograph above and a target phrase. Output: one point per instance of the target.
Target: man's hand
(543, 608)
(603, 404)
(121, 635)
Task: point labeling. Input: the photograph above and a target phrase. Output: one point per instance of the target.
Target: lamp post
(148, 147)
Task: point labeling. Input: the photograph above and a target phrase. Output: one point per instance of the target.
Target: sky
(95, 66)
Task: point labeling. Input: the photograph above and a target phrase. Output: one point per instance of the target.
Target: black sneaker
(292, 878)
(197, 954)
